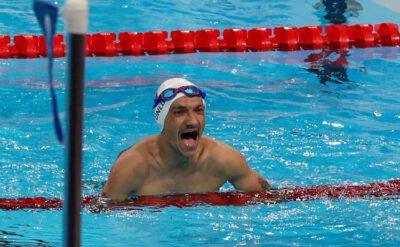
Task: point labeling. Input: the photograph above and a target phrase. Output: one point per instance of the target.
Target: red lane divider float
(209, 40)
(391, 188)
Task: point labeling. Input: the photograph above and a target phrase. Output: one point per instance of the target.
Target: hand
(276, 196)
(99, 204)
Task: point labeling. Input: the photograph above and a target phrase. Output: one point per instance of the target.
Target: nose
(191, 120)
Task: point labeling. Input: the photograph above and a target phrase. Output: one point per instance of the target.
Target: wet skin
(180, 160)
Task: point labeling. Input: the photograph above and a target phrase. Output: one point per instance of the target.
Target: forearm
(113, 193)
(277, 195)
(263, 184)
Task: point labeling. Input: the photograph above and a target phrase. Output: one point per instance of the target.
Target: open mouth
(189, 139)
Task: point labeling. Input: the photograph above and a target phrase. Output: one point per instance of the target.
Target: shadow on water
(337, 11)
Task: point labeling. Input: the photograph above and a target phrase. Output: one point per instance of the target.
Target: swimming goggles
(170, 93)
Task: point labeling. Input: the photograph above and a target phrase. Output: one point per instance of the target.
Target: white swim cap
(162, 108)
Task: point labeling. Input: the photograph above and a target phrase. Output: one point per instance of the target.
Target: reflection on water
(329, 66)
(9, 238)
(337, 11)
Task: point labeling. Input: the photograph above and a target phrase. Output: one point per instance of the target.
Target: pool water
(298, 121)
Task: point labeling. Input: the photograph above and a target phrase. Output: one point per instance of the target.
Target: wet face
(184, 124)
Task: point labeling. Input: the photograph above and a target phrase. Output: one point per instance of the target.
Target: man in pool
(179, 159)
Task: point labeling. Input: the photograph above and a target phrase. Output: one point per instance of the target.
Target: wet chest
(199, 181)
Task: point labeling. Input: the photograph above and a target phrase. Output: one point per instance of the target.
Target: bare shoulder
(136, 154)
(129, 170)
(232, 164)
(224, 155)
(222, 149)
(139, 156)
(141, 147)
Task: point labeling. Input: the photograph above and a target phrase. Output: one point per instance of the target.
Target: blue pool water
(298, 122)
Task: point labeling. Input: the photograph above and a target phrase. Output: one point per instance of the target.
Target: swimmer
(179, 159)
(338, 11)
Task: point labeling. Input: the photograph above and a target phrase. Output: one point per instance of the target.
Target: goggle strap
(156, 101)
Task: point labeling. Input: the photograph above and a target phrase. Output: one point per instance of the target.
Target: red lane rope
(209, 40)
(232, 198)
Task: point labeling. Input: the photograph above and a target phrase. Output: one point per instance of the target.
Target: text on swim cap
(159, 109)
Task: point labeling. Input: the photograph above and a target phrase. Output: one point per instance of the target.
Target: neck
(172, 157)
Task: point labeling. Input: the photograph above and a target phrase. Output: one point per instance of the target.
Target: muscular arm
(244, 178)
(126, 176)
